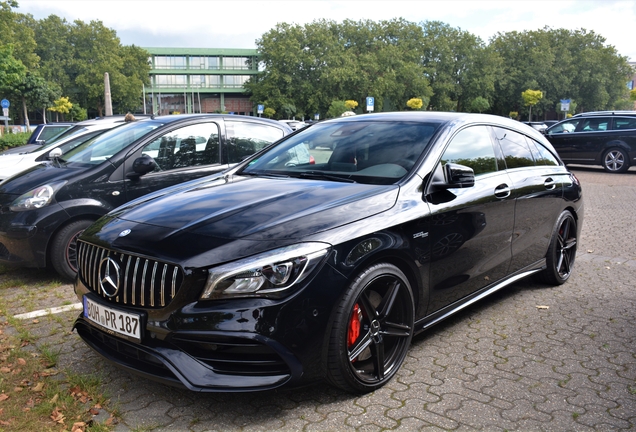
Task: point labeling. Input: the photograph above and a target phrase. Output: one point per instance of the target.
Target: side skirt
(431, 320)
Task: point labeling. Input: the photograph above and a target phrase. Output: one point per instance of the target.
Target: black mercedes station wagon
(281, 271)
(44, 208)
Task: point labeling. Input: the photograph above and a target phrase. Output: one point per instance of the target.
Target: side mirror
(143, 165)
(458, 176)
(55, 153)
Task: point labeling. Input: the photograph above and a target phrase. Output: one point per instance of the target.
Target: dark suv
(46, 207)
(606, 138)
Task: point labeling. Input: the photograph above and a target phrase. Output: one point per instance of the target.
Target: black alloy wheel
(64, 248)
(615, 161)
(372, 330)
(561, 252)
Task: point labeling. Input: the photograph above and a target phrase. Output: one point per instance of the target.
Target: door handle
(502, 191)
(549, 183)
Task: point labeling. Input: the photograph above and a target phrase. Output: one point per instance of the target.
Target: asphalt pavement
(529, 358)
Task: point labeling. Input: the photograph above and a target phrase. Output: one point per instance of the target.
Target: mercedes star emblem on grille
(109, 276)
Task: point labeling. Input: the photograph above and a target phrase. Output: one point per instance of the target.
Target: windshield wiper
(262, 174)
(321, 175)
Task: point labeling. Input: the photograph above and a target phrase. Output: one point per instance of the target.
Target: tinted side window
(565, 127)
(622, 123)
(245, 139)
(594, 124)
(473, 148)
(515, 148)
(185, 147)
(542, 155)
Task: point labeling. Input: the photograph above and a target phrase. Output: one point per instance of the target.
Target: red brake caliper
(354, 326)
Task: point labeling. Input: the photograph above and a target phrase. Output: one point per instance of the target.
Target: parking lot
(528, 358)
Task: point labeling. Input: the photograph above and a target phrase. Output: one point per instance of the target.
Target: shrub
(9, 140)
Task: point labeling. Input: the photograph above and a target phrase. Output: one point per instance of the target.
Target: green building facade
(199, 80)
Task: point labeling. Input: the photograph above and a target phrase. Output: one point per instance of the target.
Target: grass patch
(35, 395)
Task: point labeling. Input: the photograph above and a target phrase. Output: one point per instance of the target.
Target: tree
(531, 98)
(336, 109)
(415, 103)
(572, 64)
(311, 66)
(458, 66)
(351, 104)
(16, 30)
(61, 106)
(269, 112)
(35, 92)
(479, 104)
(288, 110)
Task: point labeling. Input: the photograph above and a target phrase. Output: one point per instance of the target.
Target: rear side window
(542, 155)
(594, 124)
(472, 147)
(245, 139)
(622, 123)
(515, 148)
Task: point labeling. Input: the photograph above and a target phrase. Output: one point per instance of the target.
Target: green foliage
(269, 112)
(564, 64)
(12, 71)
(513, 115)
(336, 109)
(632, 95)
(78, 113)
(288, 110)
(530, 99)
(8, 140)
(415, 103)
(458, 65)
(312, 65)
(479, 104)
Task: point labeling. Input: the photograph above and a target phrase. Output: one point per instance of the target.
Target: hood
(36, 176)
(263, 208)
(218, 221)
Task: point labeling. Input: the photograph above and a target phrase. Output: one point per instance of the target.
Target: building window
(170, 81)
(197, 80)
(170, 62)
(240, 63)
(235, 81)
(213, 81)
(204, 62)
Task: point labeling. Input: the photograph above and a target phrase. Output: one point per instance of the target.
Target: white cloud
(237, 24)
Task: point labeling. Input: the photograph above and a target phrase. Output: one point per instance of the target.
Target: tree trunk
(26, 114)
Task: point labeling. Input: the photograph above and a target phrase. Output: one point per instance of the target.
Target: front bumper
(223, 345)
(24, 236)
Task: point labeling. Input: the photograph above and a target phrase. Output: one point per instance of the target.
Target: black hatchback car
(278, 272)
(606, 138)
(45, 208)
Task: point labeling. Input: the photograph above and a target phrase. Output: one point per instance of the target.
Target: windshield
(98, 149)
(372, 152)
(75, 130)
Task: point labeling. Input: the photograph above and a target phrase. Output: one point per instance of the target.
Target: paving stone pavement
(502, 364)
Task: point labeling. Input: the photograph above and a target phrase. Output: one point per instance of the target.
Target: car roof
(605, 113)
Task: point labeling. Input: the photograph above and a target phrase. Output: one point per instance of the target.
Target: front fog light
(268, 273)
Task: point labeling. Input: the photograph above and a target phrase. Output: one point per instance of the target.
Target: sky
(239, 23)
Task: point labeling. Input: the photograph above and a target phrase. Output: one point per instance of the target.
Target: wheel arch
(85, 216)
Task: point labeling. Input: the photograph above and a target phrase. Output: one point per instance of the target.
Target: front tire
(372, 330)
(64, 248)
(615, 161)
(561, 252)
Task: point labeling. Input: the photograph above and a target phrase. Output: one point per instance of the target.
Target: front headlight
(37, 198)
(266, 274)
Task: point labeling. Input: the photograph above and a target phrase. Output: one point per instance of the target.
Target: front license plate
(118, 322)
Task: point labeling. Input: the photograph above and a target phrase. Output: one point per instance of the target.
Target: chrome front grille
(141, 281)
